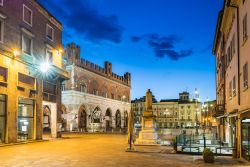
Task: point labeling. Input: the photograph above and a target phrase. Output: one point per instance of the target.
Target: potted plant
(208, 156)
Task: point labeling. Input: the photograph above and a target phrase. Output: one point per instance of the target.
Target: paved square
(99, 150)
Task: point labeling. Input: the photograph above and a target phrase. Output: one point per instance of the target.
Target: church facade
(94, 99)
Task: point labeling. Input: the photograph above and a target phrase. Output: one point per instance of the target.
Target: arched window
(83, 88)
(104, 91)
(94, 86)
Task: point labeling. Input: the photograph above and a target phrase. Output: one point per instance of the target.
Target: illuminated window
(26, 45)
(49, 55)
(27, 15)
(50, 32)
(1, 2)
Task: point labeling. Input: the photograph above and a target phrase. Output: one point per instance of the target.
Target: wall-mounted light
(16, 53)
(44, 67)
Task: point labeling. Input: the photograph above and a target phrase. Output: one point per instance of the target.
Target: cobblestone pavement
(100, 150)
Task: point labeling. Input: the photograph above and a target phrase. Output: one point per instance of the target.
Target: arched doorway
(125, 119)
(118, 119)
(46, 119)
(108, 120)
(64, 117)
(96, 120)
(82, 119)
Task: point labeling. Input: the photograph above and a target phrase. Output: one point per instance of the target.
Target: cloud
(85, 21)
(163, 46)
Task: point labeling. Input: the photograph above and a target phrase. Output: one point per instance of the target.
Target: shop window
(25, 119)
(2, 117)
(27, 15)
(245, 138)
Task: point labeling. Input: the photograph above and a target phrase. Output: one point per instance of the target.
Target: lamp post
(196, 106)
(206, 114)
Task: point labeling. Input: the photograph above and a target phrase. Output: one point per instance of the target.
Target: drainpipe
(238, 122)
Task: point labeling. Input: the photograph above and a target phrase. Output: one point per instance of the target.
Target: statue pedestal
(148, 134)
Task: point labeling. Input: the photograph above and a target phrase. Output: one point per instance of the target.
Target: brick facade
(24, 80)
(90, 88)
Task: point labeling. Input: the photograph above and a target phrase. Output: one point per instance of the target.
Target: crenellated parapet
(72, 54)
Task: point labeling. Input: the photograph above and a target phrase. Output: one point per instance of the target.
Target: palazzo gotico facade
(95, 98)
(30, 71)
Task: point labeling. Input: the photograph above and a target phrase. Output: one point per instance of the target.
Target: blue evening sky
(165, 44)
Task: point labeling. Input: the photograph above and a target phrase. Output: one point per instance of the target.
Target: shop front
(2, 117)
(25, 119)
(245, 138)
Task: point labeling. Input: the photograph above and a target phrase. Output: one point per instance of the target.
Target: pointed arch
(46, 119)
(108, 119)
(82, 118)
(118, 119)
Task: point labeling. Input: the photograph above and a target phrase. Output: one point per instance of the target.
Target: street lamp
(206, 114)
(44, 67)
(196, 105)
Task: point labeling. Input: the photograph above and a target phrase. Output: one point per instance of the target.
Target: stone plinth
(148, 134)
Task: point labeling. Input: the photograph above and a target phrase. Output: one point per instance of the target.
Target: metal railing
(195, 144)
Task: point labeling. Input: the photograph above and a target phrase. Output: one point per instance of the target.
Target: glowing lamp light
(44, 67)
(16, 53)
